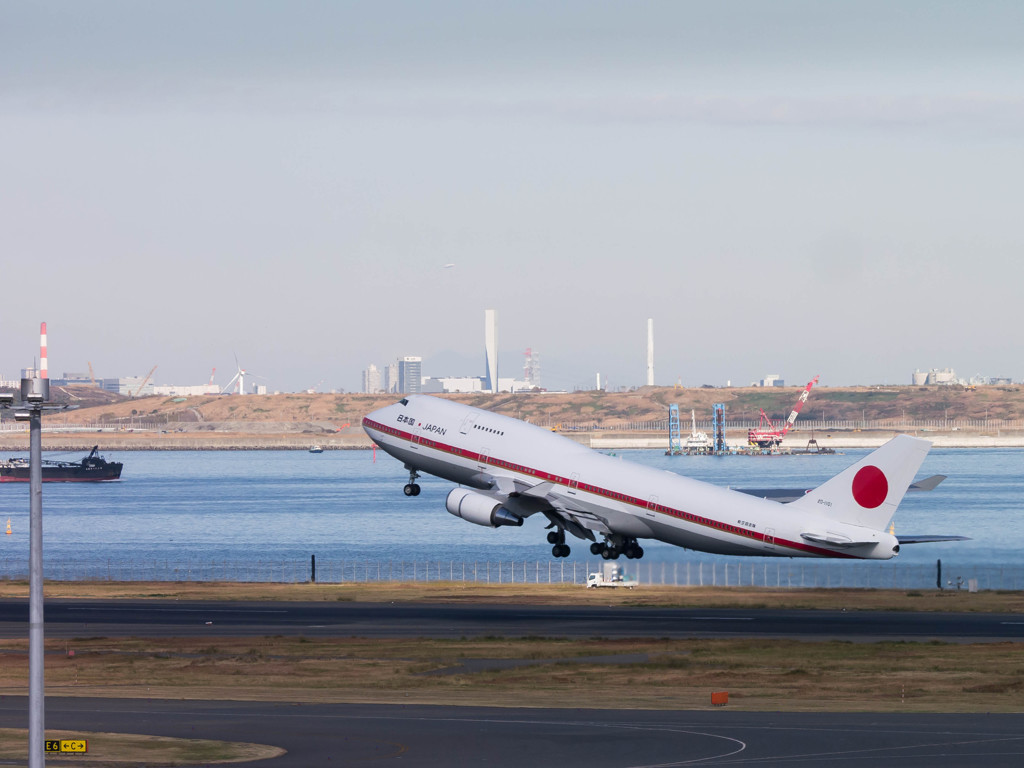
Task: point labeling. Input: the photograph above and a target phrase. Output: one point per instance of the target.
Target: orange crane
(766, 434)
(144, 382)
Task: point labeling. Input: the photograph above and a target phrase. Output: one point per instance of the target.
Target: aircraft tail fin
(868, 493)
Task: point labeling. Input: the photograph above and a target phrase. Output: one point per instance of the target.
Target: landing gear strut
(561, 549)
(412, 488)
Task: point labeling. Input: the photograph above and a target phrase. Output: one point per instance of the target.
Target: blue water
(242, 506)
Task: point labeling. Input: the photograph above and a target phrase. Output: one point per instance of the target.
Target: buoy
(8, 526)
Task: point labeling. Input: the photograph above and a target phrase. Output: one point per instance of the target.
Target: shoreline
(601, 441)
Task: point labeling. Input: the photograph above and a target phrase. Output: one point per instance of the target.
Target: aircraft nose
(373, 420)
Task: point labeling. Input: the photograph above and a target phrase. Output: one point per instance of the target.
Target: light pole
(35, 393)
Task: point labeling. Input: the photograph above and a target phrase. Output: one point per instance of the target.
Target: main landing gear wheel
(561, 549)
(633, 551)
(596, 547)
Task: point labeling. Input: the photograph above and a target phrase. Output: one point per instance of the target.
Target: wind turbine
(239, 377)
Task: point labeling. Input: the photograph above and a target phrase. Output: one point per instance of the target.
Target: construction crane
(766, 434)
(92, 376)
(144, 382)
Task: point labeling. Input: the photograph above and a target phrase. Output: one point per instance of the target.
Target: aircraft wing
(566, 512)
(783, 495)
(526, 500)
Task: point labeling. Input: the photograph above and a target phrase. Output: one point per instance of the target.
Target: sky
(794, 188)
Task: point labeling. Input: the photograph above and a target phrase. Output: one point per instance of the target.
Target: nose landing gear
(412, 488)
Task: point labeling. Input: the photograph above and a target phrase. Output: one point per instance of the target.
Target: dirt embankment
(326, 412)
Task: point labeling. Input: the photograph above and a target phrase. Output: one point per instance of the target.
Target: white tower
(650, 352)
(491, 350)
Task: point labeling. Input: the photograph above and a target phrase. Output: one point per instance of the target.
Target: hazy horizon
(788, 188)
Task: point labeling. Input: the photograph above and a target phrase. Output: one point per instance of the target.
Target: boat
(316, 449)
(696, 442)
(93, 468)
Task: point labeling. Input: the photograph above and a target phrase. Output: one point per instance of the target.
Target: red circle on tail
(870, 487)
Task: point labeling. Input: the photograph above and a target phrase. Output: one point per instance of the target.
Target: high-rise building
(371, 380)
(391, 378)
(410, 375)
(490, 350)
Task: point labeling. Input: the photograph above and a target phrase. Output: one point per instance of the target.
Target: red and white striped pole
(42, 352)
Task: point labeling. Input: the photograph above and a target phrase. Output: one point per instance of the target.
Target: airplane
(509, 470)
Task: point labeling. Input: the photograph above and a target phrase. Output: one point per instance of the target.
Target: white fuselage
(472, 447)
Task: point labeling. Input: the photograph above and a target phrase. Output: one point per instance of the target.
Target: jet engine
(477, 508)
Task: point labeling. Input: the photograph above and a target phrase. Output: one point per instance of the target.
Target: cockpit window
(404, 401)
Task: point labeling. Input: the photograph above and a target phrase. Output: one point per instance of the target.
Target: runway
(174, 618)
(440, 737)
(602, 737)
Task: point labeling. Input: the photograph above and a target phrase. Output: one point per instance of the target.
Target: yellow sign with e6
(67, 746)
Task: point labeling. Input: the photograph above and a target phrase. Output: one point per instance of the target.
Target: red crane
(766, 434)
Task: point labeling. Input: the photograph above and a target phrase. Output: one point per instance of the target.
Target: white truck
(610, 575)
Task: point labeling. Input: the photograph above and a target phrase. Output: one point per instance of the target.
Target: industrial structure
(766, 435)
(531, 368)
(491, 351)
(763, 440)
(406, 376)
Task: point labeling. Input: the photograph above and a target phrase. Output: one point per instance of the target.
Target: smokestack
(42, 352)
(650, 352)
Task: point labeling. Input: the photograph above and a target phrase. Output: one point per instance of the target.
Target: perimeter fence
(786, 574)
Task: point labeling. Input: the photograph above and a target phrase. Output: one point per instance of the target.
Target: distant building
(410, 375)
(451, 384)
(514, 385)
(391, 379)
(371, 380)
(942, 376)
(773, 380)
(186, 390)
(72, 379)
(130, 386)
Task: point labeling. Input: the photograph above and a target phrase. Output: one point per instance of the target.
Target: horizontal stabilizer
(927, 484)
(834, 539)
(925, 539)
